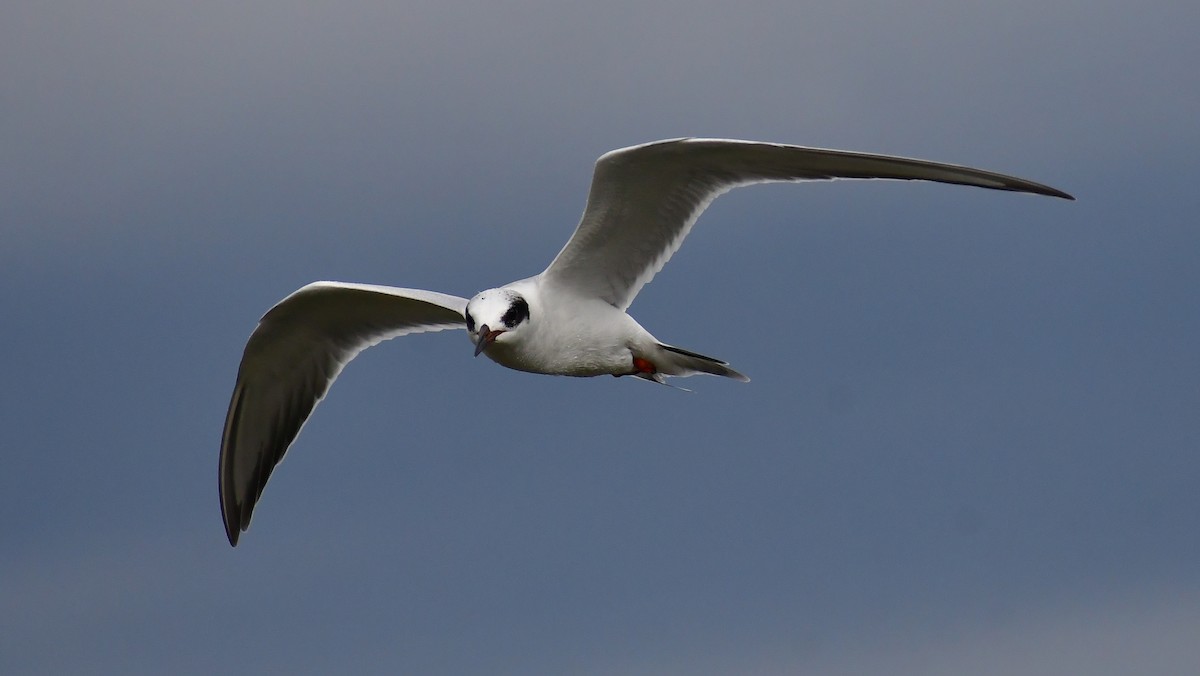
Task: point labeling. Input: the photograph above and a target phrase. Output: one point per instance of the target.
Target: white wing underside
(644, 200)
(298, 349)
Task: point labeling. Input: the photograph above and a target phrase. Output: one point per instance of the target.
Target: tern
(568, 320)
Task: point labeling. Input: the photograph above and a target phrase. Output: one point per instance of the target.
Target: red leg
(644, 366)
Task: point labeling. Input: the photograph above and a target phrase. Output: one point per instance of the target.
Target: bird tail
(685, 363)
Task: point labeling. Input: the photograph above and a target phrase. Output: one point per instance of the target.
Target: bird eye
(516, 313)
(470, 322)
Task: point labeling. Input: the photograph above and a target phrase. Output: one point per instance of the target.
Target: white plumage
(568, 320)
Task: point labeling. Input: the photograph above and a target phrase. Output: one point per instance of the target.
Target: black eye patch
(470, 322)
(517, 313)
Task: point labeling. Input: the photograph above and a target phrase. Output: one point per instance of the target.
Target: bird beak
(486, 337)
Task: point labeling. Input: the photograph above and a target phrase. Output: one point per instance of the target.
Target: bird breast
(566, 339)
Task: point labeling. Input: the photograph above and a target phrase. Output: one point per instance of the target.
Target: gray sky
(970, 441)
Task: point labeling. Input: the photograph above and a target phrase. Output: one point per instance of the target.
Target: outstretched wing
(291, 359)
(644, 200)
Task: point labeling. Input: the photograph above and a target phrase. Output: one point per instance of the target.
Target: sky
(970, 440)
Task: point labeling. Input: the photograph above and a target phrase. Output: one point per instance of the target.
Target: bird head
(495, 315)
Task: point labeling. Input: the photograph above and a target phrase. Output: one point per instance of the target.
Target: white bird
(568, 320)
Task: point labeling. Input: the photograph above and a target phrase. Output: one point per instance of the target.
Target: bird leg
(645, 366)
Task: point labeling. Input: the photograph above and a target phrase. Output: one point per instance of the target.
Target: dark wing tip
(241, 484)
(238, 498)
(232, 534)
(1046, 190)
(231, 512)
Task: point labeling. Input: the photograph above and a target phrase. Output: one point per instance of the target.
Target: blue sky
(970, 441)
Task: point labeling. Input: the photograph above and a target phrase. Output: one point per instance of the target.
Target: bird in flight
(569, 320)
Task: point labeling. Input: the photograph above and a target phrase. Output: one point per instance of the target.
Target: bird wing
(644, 199)
(298, 349)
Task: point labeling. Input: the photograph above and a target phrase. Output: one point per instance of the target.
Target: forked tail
(690, 362)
